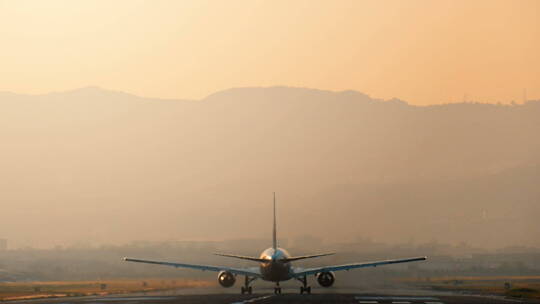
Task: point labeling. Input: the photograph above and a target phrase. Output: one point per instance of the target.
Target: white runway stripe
(128, 298)
(391, 298)
(252, 300)
(368, 302)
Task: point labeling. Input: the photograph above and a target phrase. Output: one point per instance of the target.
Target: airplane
(275, 266)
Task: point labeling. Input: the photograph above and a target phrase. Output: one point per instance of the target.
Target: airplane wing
(298, 272)
(252, 272)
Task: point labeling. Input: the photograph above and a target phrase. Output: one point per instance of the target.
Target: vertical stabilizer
(274, 237)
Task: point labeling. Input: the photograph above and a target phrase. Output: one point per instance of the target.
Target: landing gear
(304, 288)
(277, 289)
(246, 288)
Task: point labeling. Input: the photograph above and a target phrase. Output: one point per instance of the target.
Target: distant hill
(103, 165)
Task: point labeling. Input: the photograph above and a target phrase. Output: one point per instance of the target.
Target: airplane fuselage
(274, 269)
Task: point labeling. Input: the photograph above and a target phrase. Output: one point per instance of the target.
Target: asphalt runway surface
(292, 298)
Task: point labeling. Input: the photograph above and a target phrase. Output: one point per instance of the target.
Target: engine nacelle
(226, 279)
(326, 279)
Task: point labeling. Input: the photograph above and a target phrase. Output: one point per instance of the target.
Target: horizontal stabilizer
(302, 257)
(241, 257)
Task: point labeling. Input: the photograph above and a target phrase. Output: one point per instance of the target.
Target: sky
(425, 52)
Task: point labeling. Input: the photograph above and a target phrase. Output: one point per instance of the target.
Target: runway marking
(253, 300)
(368, 302)
(390, 298)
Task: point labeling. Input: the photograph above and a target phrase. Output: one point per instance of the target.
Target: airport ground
(263, 293)
(286, 298)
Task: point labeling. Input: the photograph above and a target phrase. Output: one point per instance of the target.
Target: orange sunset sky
(425, 52)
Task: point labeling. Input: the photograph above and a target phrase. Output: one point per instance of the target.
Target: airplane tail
(274, 237)
(274, 246)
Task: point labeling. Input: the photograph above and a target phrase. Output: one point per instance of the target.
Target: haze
(426, 52)
(176, 120)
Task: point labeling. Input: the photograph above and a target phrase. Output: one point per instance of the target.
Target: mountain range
(105, 166)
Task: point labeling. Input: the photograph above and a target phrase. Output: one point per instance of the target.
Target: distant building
(3, 244)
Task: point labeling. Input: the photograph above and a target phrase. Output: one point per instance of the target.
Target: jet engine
(226, 279)
(326, 279)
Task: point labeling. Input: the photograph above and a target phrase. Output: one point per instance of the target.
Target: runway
(326, 298)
